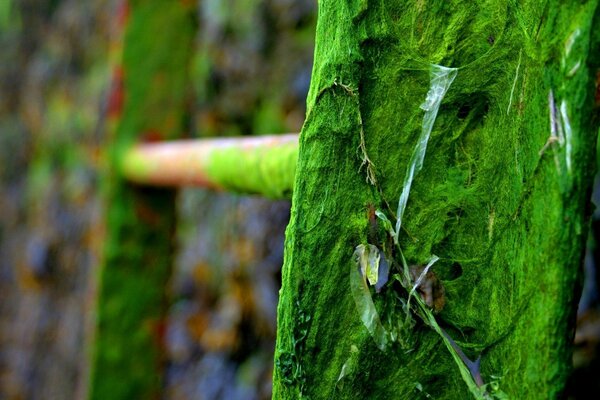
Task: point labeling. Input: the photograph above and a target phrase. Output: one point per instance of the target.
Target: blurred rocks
(227, 280)
(52, 75)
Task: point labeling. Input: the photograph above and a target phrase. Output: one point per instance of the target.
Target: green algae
(507, 223)
(265, 170)
(137, 254)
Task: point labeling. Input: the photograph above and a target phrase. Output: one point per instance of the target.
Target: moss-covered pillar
(138, 249)
(501, 198)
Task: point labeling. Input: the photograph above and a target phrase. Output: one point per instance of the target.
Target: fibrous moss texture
(137, 256)
(502, 198)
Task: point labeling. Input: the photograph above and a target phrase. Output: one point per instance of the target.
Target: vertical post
(500, 200)
(138, 250)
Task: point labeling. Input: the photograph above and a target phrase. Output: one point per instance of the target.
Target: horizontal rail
(262, 165)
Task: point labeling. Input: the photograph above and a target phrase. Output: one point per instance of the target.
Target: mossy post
(138, 249)
(502, 198)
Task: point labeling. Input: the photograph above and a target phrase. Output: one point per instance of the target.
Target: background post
(138, 249)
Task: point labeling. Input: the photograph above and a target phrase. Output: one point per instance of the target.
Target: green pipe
(262, 165)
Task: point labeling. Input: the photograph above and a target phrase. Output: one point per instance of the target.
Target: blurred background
(251, 73)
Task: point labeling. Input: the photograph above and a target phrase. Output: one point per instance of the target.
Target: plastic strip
(364, 302)
(440, 80)
(568, 134)
(561, 132)
(556, 129)
(350, 365)
(368, 257)
(552, 107)
(571, 41)
(570, 68)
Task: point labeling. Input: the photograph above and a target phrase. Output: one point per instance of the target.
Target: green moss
(268, 171)
(507, 223)
(137, 254)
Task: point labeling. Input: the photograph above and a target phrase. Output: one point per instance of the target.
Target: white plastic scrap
(350, 364)
(561, 131)
(552, 109)
(362, 296)
(568, 133)
(367, 257)
(570, 71)
(556, 129)
(571, 41)
(440, 80)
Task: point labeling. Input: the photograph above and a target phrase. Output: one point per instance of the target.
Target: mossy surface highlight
(502, 199)
(138, 248)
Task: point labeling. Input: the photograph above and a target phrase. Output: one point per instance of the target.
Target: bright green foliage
(138, 248)
(502, 197)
